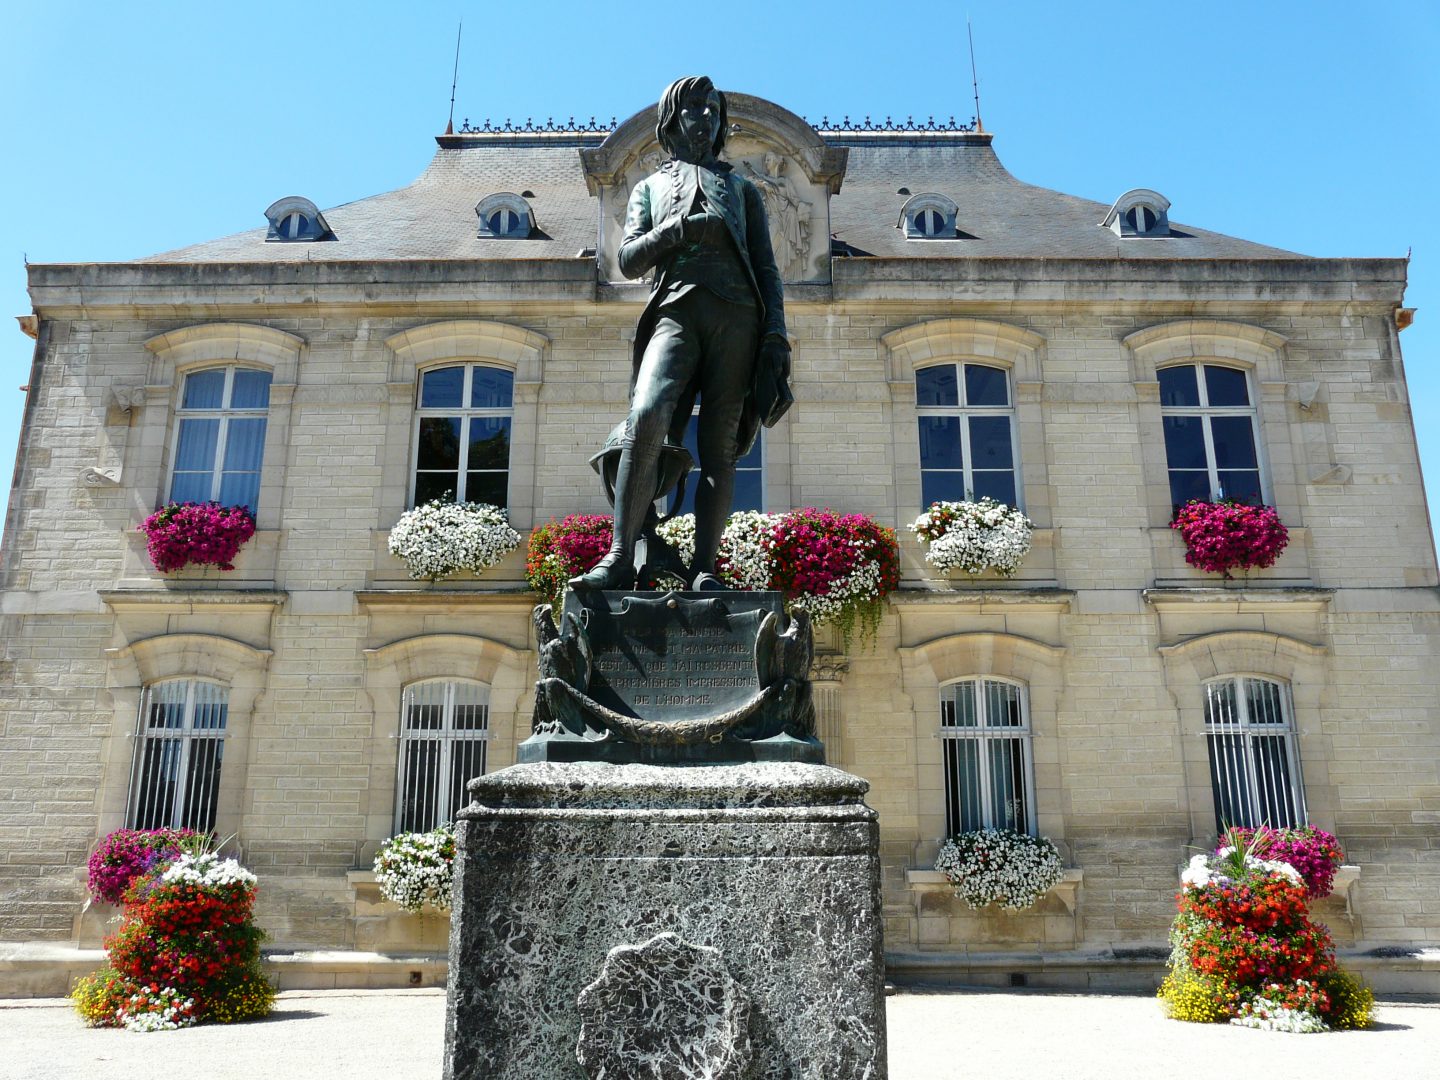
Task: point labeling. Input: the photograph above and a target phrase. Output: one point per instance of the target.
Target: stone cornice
(189, 601)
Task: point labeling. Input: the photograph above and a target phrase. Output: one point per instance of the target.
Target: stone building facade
(911, 256)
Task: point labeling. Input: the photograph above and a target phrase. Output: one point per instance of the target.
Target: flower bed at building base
(1243, 947)
(187, 949)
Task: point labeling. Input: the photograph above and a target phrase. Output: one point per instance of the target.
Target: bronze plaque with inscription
(672, 657)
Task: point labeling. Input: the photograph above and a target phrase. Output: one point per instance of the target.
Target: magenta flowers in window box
(1224, 536)
(1314, 853)
(127, 854)
(206, 534)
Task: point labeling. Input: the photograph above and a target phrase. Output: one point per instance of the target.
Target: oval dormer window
(505, 216)
(293, 219)
(928, 216)
(1139, 213)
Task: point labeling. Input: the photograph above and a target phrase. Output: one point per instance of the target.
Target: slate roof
(434, 217)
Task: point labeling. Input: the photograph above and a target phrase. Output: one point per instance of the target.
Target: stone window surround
(441, 344)
(1298, 664)
(210, 657)
(1134, 199)
(958, 340)
(1256, 351)
(390, 668)
(1036, 666)
(280, 209)
(178, 353)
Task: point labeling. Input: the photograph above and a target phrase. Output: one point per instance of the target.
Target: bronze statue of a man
(714, 328)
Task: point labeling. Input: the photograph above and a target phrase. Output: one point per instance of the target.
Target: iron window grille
(179, 748)
(989, 766)
(1254, 766)
(444, 731)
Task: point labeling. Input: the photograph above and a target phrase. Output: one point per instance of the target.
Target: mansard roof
(998, 215)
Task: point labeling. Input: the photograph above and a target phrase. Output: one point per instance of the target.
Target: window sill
(1066, 890)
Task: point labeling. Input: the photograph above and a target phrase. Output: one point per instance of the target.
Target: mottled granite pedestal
(718, 921)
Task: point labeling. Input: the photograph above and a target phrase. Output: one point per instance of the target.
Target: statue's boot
(634, 483)
(712, 507)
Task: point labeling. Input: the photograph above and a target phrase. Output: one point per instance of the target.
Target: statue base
(676, 920)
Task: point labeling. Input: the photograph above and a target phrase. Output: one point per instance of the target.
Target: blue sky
(139, 127)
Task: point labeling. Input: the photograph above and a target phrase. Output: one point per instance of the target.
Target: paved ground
(991, 1035)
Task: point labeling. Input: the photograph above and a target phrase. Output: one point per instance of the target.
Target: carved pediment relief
(794, 169)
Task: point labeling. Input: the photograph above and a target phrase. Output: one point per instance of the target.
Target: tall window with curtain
(1211, 449)
(179, 748)
(966, 421)
(462, 435)
(989, 769)
(1254, 767)
(444, 728)
(220, 437)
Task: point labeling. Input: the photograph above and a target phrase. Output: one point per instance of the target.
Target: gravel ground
(995, 1035)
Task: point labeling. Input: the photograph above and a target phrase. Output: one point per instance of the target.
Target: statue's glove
(704, 228)
(775, 356)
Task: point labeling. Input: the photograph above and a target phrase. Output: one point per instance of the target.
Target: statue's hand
(704, 228)
(775, 356)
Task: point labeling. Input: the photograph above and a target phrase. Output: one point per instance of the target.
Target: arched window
(989, 768)
(220, 436)
(179, 747)
(966, 419)
(1254, 768)
(444, 726)
(462, 435)
(1211, 444)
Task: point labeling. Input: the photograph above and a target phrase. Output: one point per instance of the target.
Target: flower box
(1066, 890)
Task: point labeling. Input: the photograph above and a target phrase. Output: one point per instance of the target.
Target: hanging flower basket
(974, 537)
(440, 538)
(559, 550)
(1224, 536)
(837, 568)
(1000, 866)
(414, 869)
(202, 534)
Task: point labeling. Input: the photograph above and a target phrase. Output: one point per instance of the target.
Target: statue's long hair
(667, 127)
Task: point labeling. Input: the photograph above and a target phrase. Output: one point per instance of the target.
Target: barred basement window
(989, 770)
(444, 726)
(180, 742)
(1254, 769)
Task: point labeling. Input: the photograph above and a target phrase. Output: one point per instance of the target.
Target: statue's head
(692, 111)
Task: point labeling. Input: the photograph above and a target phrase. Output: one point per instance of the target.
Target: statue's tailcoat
(653, 237)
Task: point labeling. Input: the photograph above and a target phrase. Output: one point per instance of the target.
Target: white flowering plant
(441, 538)
(1000, 866)
(744, 558)
(974, 536)
(414, 869)
(206, 870)
(156, 1009)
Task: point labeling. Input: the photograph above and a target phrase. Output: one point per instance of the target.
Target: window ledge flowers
(974, 537)
(416, 869)
(202, 534)
(440, 539)
(1000, 866)
(837, 568)
(1224, 536)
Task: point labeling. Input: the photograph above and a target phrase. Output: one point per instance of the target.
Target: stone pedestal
(719, 921)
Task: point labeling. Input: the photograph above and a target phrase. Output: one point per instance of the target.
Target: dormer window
(1139, 213)
(928, 216)
(294, 219)
(505, 216)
